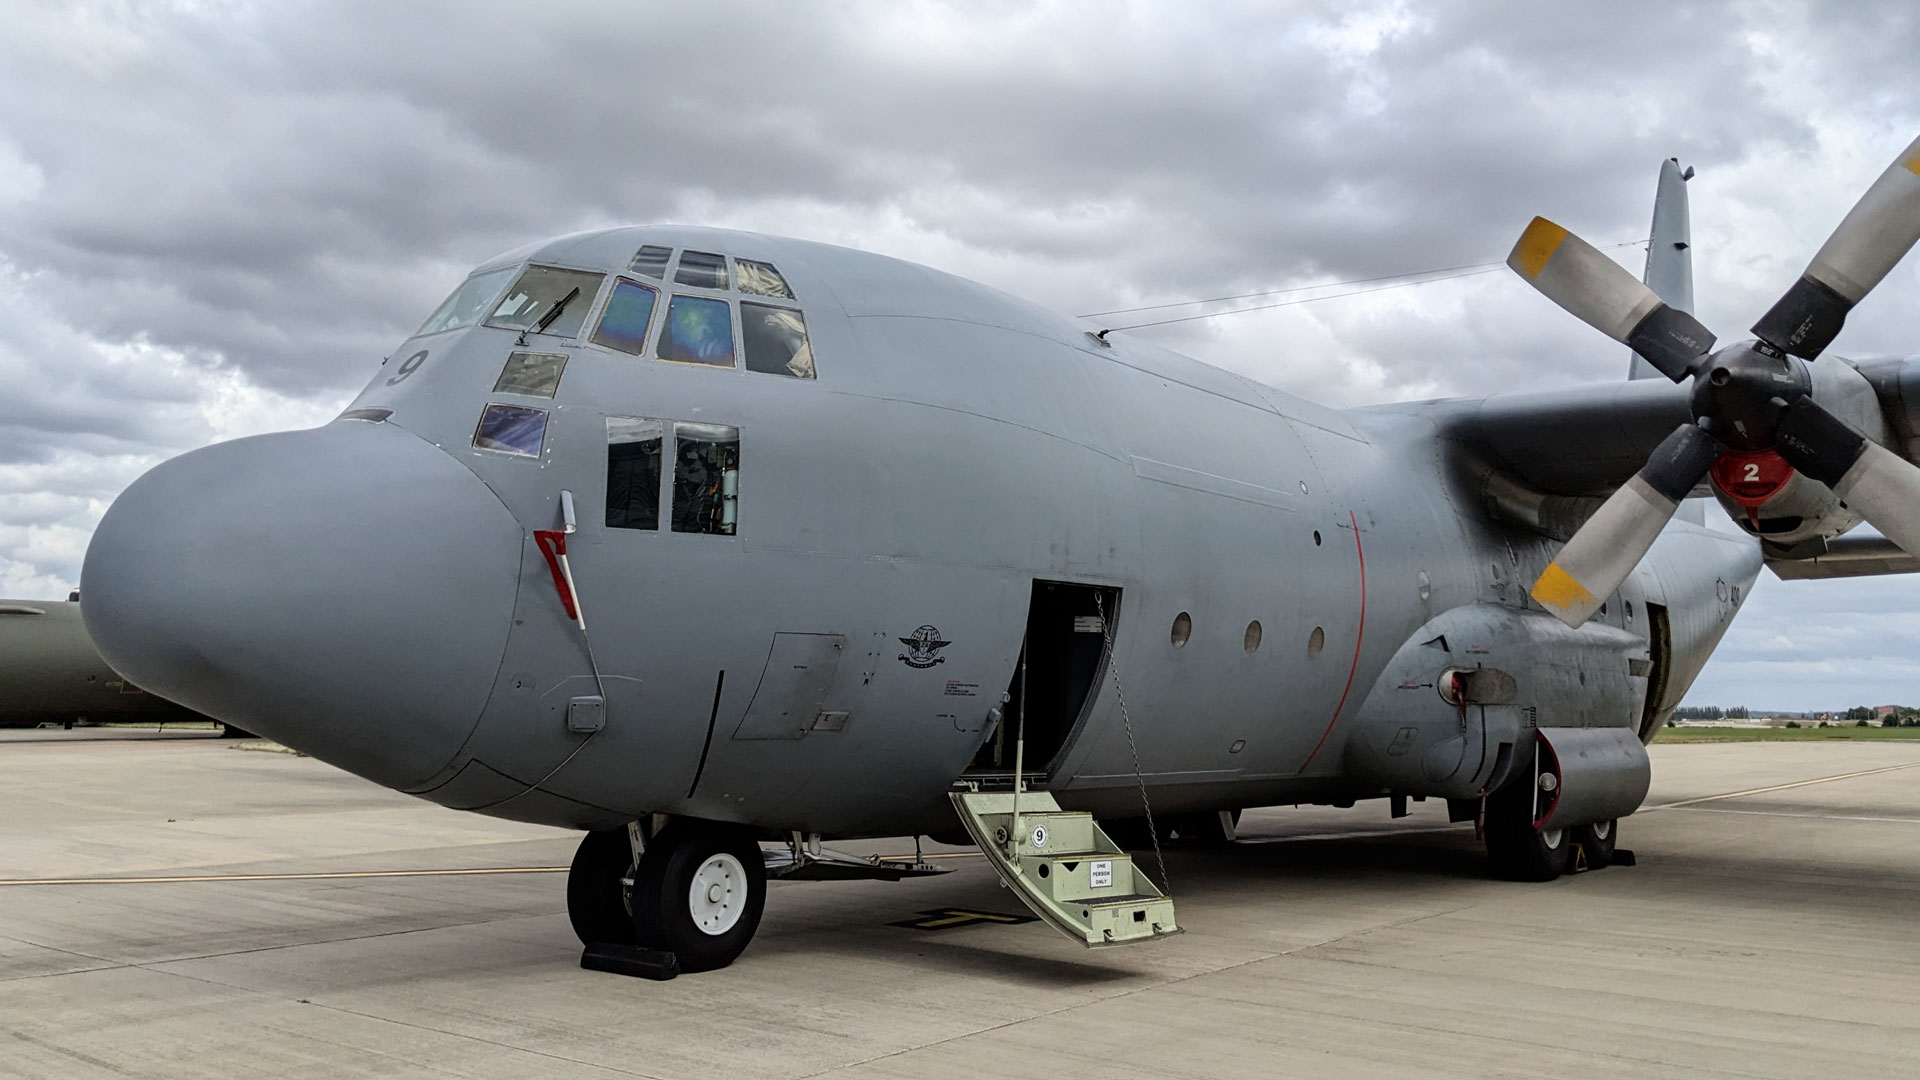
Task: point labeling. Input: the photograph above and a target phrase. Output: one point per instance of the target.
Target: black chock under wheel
(1623, 857)
(641, 963)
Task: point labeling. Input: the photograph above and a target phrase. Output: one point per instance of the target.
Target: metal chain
(1126, 725)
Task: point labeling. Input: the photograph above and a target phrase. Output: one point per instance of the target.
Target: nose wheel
(698, 893)
(599, 885)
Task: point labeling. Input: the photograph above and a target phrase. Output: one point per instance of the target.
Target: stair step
(1083, 877)
(1065, 868)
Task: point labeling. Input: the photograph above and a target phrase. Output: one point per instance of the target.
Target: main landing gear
(696, 889)
(1520, 852)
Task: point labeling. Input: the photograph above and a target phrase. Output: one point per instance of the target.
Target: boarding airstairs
(1065, 868)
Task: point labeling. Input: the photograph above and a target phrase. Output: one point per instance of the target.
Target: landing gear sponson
(692, 888)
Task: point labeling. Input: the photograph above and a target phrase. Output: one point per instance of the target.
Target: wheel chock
(1623, 857)
(641, 963)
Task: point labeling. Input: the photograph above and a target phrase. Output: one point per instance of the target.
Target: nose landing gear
(697, 890)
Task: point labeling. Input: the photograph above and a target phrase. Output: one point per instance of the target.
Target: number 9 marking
(408, 366)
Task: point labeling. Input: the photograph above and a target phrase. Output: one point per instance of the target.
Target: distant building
(1881, 712)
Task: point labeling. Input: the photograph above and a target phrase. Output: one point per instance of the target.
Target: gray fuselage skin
(371, 592)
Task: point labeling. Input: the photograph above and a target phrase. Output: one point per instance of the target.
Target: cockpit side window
(699, 330)
(702, 270)
(633, 472)
(548, 300)
(467, 303)
(761, 279)
(511, 429)
(775, 340)
(623, 325)
(651, 261)
(706, 478)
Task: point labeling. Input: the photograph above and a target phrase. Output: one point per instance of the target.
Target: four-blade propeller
(1752, 396)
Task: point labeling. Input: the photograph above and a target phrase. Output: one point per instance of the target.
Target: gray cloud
(216, 217)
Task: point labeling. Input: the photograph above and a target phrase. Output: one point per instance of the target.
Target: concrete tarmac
(1771, 929)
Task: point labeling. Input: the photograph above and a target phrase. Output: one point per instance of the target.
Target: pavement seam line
(477, 1039)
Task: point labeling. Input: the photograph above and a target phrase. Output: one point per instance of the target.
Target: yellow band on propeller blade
(1558, 589)
(1536, 246)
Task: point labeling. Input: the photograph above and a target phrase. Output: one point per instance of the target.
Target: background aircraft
(693, 538)
(50, 673)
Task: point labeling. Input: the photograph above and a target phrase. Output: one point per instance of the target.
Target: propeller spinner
(1751, 396)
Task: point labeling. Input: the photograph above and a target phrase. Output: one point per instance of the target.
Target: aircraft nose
(346, 591)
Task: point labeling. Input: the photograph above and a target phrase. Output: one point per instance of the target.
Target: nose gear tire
(596, 896)
(724, 867)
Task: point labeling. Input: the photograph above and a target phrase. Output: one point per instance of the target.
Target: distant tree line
(1712, 712)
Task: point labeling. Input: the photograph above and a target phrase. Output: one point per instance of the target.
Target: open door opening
(1660, 651)
(1060, 667)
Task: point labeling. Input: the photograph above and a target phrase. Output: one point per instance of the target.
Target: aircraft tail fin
(1669, 274)
(1669, 270)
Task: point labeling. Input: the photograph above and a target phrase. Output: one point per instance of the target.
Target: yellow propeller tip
(1536, 246)
(1559, 590)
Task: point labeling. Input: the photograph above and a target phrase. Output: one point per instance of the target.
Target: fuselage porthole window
(548, 300)
(702, 270)
(698, 330)
(629, 313)
(775, 340)
(633, 472)
(706, 478)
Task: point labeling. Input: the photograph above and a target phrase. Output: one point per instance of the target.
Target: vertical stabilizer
(1669, 252)
(1669, 274)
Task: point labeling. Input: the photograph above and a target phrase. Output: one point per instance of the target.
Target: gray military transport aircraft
(694, 538)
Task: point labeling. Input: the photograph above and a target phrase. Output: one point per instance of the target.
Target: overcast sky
(216, 218)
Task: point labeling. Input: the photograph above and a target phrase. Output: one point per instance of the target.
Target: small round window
(1316, 641)
(1182, 629)
(1252, 641)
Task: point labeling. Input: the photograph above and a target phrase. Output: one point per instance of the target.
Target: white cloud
(215, 218)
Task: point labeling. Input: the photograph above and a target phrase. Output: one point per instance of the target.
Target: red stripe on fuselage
(1359, 635)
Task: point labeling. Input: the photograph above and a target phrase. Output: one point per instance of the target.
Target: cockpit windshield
(548, 300)
(467, 303)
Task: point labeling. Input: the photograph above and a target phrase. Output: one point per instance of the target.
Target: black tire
(1596, 842)
(1517, 850)
(596, 897)
(728, 861)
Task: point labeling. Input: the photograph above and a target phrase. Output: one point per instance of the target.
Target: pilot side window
(633, 472)
(706, 478)
(775, 340)
(467, 303)
(623, 325)
(699, 330)
(548, 300)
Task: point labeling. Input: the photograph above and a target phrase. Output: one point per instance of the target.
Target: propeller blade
(1869, 478)
(1606, 296)
(1873, 236)
(1607, 548)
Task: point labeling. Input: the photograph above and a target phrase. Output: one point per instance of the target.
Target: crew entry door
(1061, 665)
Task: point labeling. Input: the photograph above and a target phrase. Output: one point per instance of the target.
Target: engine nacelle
(1768, 499)
(1763, 494)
